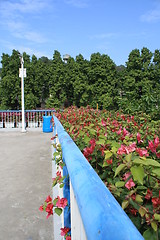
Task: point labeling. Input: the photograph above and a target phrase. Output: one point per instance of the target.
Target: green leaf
(91, 125)
(55, 201)
(115, 144)
(92, 131)
(139, 198)
(128, 157)
(101, 141)
(134, 204)
(114, 150)
(125, 204)
(119, 168)
(105, 164)
(119, 184)
(149, 234)
(141, 187)
(56, 154)
(102, 137)
(154, 225)
(104, 175)
(147, 162)
(71, 129)
(58, 211)
(157, 217)
(139, 161)
(108, 154)
(86, 139)
(100, 164)
(54, 182)
(156, 171)
(142, 211)
(153, 163)
(61, 185)
(138, 173)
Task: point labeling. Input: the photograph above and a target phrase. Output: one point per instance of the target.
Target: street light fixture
(22, 74)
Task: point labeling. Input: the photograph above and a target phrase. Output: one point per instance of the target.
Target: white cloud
(77, 3)
(31, 51)
(22, 6)
(31, 36)
(13, 16)
(22, 49)
(103, 36)
(152, 15)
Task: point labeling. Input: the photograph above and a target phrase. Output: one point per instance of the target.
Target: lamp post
(22, 74)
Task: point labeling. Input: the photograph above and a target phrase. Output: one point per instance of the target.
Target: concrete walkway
(25, 182)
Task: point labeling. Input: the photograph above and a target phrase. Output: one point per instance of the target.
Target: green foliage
(124, 150)
(82, 82)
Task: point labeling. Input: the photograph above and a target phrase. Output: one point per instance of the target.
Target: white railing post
(13, 118)
(58, 221)
(77, 227)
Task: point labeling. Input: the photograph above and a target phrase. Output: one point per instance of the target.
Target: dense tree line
(55, 83)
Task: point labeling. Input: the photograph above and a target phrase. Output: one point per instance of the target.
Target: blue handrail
(102, 216)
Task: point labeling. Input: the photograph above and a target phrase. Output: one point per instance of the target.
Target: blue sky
(112, 27)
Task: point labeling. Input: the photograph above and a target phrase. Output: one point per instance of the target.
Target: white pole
(22, 90)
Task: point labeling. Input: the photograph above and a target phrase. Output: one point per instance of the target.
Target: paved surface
(25, 182)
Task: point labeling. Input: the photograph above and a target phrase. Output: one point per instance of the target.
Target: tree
(102, 79)
(10, 82)
(57, 94)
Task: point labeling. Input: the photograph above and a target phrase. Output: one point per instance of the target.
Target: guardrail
(13, 118)
(94, 212)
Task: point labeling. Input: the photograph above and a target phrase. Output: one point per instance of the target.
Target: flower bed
(125, 152)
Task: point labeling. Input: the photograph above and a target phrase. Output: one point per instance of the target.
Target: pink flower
(125, 132)
(119, 131)
(126, 175)
(131, 147)
(109, 161)
(41, 208)
(133, 211)
(149, 194)
(64, 231)
(103, 123)
(158, 155)
(152, 146)
(48, 199)
(142, 152)
(62, 202)
(89, 150)
(130, 184)
(139, 138)
(49, 209)
(127, 149)
(156, 142)
(92, 142)
(156, 201)
(121, 150)
(68, 238)
(59, 175)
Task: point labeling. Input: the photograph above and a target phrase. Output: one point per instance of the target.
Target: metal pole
(22, 90)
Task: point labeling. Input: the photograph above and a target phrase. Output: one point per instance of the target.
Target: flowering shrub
(125, 152)
(58, 204)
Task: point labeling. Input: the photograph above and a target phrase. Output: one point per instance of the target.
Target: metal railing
(94, 212)
(13, 118)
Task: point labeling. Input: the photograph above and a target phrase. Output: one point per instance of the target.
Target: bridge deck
(25, 181)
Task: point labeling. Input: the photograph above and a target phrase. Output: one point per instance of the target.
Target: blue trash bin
(47, 124)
